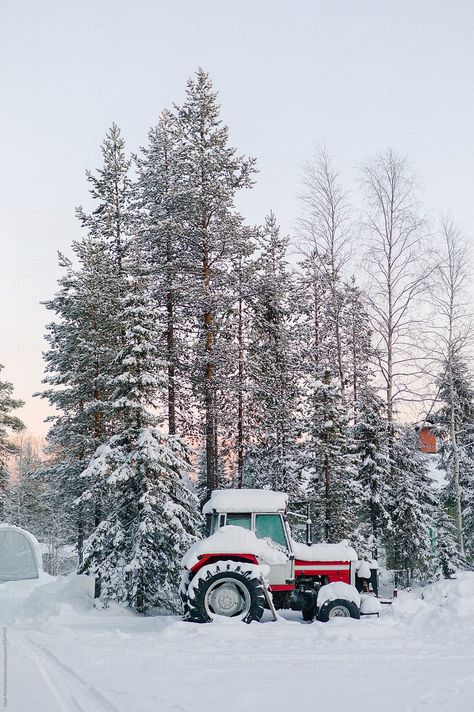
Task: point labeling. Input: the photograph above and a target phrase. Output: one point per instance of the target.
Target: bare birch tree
(398, 273)
(326, 230)
(451, 328)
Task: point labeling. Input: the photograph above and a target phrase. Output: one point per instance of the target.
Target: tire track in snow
(68, 688)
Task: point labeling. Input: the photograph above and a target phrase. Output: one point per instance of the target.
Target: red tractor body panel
(334, 570)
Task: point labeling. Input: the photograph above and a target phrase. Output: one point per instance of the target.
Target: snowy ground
(64, 655)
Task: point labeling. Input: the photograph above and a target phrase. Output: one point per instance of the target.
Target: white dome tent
(20, 556)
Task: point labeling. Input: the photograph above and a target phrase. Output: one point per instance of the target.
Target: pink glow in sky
(356, 76)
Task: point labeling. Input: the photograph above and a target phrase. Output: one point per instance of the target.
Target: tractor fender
(206, 559)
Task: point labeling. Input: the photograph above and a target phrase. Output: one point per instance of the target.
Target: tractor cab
(262, 512)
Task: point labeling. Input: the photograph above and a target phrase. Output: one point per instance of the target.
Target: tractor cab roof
(246, 500)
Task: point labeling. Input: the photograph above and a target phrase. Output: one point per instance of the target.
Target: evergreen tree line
(188, 352)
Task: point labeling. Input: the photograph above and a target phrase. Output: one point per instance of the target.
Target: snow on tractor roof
(246, 500)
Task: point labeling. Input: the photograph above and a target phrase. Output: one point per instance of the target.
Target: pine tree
(140, 475)
(8, 424)
(161, 197)
(357, 339)
(412, 507)
(81, 350)
(87, 333)
(271, 456)
(373, 466)
(213, 175)
(25, 505)
(311, 295)
(447, 555)
(329, 461)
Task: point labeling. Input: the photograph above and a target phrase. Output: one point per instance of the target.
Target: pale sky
(357, 76)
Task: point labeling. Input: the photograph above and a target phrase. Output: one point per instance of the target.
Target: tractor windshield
(240, 520)
(270, 526)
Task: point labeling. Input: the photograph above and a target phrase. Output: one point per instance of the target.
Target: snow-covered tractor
(250, 562)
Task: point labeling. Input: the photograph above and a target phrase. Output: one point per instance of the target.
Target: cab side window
(270, 526)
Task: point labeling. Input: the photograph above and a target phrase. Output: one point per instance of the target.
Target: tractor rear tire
(226, 588)
(183, 593)
(340, 608)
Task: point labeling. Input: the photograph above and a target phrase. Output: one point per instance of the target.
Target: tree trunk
(240, 389)
(171, 363)
(454, 445)
(211, 474)
(80, 533)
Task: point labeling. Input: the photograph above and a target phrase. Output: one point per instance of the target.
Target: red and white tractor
(250, 562)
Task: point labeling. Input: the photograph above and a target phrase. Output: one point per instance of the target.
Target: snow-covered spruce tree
(8, 424)
(82, 343)
(234, 427)
(86, 335)
(455, 420)
(311, 291)
(25, 505)
(271, 460)
(151, 514)
(447, 556)
(357, 339)
(408, 542)
(112, 220)
(161, 197)
(213, 174)
(373, 467)
(329, 461)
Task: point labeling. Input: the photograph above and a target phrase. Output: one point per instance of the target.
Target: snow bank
(234, 540)
(47, 596)
(324, 552)
(246, 500)
(439, 602)
(338, 589)
(369, 605)
(74, 591)
(455, 595)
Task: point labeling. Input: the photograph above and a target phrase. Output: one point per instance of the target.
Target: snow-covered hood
(234, 540)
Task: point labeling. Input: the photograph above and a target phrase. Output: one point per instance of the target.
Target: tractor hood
(324, 552)
(232, 541)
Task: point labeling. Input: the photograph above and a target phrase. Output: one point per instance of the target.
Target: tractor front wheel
(340, 608)
(226, 588)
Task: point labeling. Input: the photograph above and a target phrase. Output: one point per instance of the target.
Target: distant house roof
(428, 440)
